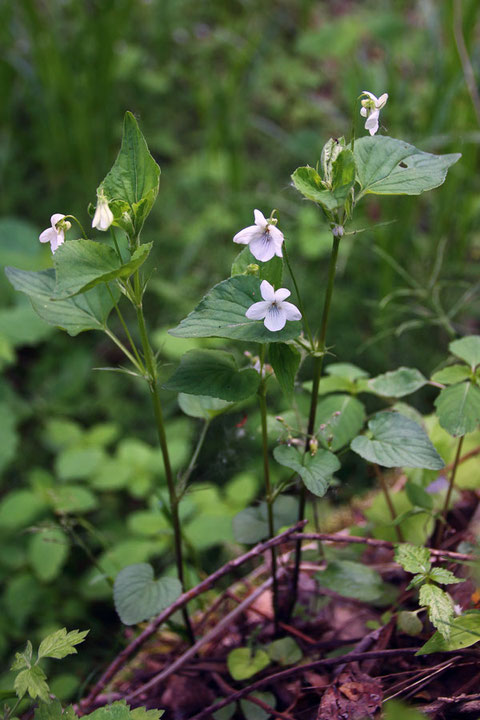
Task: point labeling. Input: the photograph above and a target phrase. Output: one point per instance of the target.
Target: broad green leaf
(246, 264)
(284, 651)
(285, 360)
(23, 659)
(82, 264)
(464, 632)
(386, 166)
(202, 406)
(413, 558)
(75, 463)
(397, 441)
(332, 384)
(251, 711)
(409, 623)
(444, 577)
(251, 525)
(120, 711)
(221, 313)
(343, 176)
(418, 496)
(352, 580)
(47, 553)
(134, 178)
(19, 508)
(72, 499)
(458, 408)
(398, 383)
(309, 183)
(468, 349)
(214, 373)
(243, 664)
(346, 370)
(141, 713)
(440, 607)
(225, 713)
(343, 417)
(21, 326)
(316, 471)
(33, 682)
(137, 596)
(61, 643)
(74, 315)
(451, 375)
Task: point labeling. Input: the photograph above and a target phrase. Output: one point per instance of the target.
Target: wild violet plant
(89, 278)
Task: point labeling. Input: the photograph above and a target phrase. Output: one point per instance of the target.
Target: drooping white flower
(371, 106)
(264, 239)
(103, 217)
(55, 235)
(273, 309)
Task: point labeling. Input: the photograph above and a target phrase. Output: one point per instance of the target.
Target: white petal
(275, 318)
(276, 235)
(291, 312)
(268, 291)
(382, 101)
(260, 219)
(363, 112)
(245, 236)
(262, 248)
(56, 218)
(282, 294)
(370, 95)
(258, 310)
(59, 240)
(48, 235)
(372, 122)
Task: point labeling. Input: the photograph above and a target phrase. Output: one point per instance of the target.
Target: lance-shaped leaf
(316, 471)
(214, 373)
(74, 315)
(397, 441)
(285, 360)
(468, 349)
(386, 166)
(82, 264)
(440, 607)
(397, 383)
(132, 184)
(221, 313)
(137, 596)
(458, 408)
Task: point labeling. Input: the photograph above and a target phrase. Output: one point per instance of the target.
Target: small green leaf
(343, 417)
(409, 623)
(464, 632)
(309, 183)
(440, 607)
(458, 408)
(243, 664)
(397, 441)
(141, 713)
(33, 682)
(468, 349)
(137, 596)
(451, 375)
(251, 525)
(221, 313)
(413, 558)
(202, 406)
(252, 711)
(214, 373)
(284, 651)
(444, 577)
(285, 360)
(346, 370)
(47, 553)
(397, 383)
(353, 580)
(386, 166)
(82, 264)
(316, 471)
(418, 496)
(61, 643)
(23, 659)
(343, 176)
(74, 315)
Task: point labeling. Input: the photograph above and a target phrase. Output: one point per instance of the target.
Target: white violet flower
(103, 217)
(264, 239)
(370, 109)
(55, 235)
(273, 308)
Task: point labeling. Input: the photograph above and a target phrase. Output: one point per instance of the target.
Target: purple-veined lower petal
(262, 247)
(291, 311)
(258, 310)
(275, 318)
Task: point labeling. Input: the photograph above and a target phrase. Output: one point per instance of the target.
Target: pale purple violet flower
(370, 109)
(55, 235)
(264, 239)
(273, 309)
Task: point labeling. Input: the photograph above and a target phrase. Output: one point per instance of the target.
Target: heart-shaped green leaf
(458, 408)
(386, 166)
(339, 418)
(316, 471)
(397, 383)
(242, 663)
(138, 596)
(397, 441)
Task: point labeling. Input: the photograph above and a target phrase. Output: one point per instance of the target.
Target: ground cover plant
(151, 524)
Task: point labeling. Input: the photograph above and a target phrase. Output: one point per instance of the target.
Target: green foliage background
(231, 98)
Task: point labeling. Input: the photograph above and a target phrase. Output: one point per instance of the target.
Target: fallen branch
(186, 597)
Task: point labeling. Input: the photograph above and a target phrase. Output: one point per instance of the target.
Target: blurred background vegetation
(232, 97)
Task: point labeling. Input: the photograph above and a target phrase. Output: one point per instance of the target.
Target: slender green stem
(262, 399)
(388, 500)
(85, 237)
(299, 298)
(186, 475)
(157, 408)
(126, 330)
(317, 373)
(122, 347)
(443, 518)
